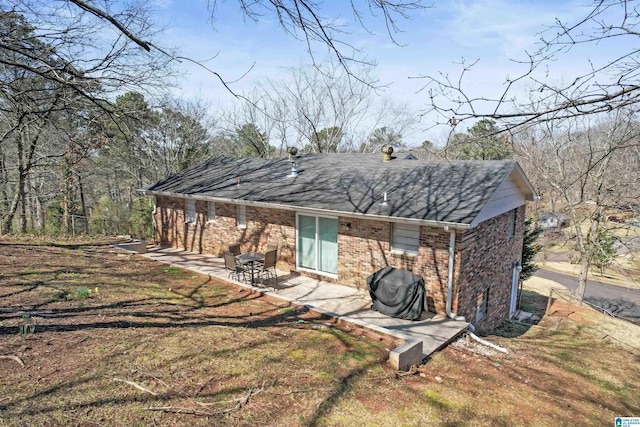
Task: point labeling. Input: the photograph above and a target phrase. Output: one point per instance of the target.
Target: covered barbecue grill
(397, 292)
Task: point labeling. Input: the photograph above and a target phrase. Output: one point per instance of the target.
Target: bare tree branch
(607, 85)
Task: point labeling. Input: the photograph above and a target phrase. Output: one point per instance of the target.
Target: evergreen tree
(529, 248)
(603, 251)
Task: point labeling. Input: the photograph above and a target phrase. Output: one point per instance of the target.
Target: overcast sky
(494, 31)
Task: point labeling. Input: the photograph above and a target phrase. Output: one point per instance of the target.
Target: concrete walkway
(343, 302)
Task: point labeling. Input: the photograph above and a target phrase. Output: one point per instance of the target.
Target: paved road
(617, 299)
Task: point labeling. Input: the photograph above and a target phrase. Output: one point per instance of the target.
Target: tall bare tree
(584, 162)
(60, 62)
(309, 108)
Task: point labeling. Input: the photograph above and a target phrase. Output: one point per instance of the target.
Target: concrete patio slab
(342, 302)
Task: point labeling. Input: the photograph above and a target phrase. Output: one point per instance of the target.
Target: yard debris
(136, 385)
(465, 343)
(11, 357)
(487, 343)
(412, 371)
(192, 411)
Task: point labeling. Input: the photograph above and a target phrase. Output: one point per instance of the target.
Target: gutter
(327, 212)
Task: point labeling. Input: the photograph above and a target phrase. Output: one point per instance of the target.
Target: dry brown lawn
(111, 339)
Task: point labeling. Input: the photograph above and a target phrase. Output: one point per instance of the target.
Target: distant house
(551, 220)
(341, 217)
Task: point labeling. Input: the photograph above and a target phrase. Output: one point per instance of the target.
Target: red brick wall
(272, 226)
(487, 257)
(364, 246)
(484, 255)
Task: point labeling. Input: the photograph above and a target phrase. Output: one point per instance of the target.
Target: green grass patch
(82, 293)
(176, 271)
(509, 329)
(533, 302)
(437, 400)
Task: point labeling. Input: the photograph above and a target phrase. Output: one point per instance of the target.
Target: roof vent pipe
(384, 200)
(294, 170)
(387, 150)
(292, 153)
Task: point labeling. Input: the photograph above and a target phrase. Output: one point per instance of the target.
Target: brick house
(341, 217)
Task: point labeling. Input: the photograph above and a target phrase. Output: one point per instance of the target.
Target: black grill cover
(397, 293)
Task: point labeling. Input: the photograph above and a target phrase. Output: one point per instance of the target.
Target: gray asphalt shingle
(440, 191)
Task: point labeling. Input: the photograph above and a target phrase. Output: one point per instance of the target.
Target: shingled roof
(432, 191)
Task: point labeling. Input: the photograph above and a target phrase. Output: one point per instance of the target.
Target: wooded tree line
(71, 161)
(84, 124)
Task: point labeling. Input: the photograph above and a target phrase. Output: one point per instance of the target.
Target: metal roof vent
(292, 152)
(387, 150)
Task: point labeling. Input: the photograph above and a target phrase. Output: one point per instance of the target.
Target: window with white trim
(241, 216)
(406, 238)
(211, 211)
(512, 224)
(483, 305)
(190, 211)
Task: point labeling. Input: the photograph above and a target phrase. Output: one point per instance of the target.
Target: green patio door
(318, 243)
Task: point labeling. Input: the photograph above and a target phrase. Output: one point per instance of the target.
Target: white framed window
(406, 238)
(241, 216)
(512, 224)
(211, 211)
(483, 305)
(190, 211)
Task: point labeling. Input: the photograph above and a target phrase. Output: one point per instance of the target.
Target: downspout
(452, 254)
(153, 219)
(450, 315)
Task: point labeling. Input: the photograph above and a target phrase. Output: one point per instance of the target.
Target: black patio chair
(235, 269)
(235, 249)
(267, 269)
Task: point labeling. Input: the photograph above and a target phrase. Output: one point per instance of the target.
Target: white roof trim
(513, 192)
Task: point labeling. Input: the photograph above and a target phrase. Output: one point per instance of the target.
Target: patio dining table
(249, 259)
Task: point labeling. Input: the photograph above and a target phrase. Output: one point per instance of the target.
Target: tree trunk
(83, 205)
(7, 221)
(66, 196)
(582, 277)
(23, 204)
(585, 261)
(4, 195)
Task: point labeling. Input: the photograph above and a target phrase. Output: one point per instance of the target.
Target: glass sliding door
(307, 241)
(328, 245)
(318, 243)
